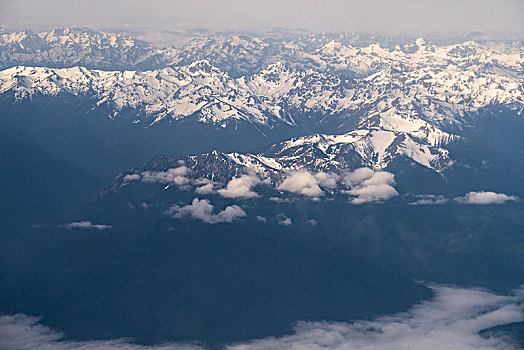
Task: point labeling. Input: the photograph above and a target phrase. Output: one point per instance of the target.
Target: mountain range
(386, 160)
(410, 100)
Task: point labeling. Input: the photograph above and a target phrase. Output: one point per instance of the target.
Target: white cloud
(280, 200)
(326, 180)
(261, 218)
(484, 197)
(131, 177)
(86, 225)
(429, 199)
(285, 222)
(202, 209)
(367, 185)
(174, 176)
(230, 213)
(240, 187)
(282, 219)
(373, 193)
(356, 177)
(302, 182)
(22, 332)
(205, 189)
(312, 222)
(451, 321)
(204, 186)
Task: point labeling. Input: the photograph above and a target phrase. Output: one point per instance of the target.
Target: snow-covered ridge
(429, 92)
(374, 148)
(381, 102)
(422, 54)
(176, 92)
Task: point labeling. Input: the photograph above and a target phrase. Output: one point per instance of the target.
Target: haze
(500, 19)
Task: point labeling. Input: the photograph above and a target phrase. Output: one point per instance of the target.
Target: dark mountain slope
(183, 281)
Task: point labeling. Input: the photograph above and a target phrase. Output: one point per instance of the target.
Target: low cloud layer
(367, 185)
(308, 184)
(238, 187)
(364, 185)
(202, 209)
(452, 320)
(86, 225)
(486, 198)
(22, 332)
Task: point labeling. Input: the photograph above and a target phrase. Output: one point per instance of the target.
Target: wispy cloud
(280, 200)
(312, 222)
(22, 332)
(202, 209)
(486, 197)
(131, 177)
(86, 225)
(429, 199)
(260, 218)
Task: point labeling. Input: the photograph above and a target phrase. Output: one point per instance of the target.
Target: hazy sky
(411, 17)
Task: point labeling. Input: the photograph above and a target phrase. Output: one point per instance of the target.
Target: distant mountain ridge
(68, 47)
